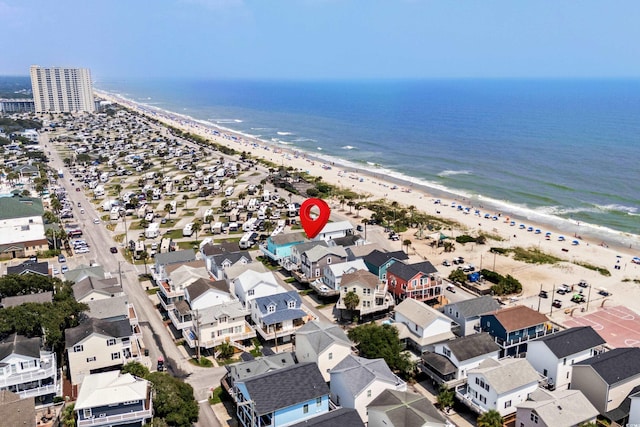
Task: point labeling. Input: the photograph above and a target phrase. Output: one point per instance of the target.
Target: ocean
(563, 152)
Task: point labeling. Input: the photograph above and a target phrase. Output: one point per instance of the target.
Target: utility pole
(588, 298)
(553, 293)
(539, 297)
(120, 272)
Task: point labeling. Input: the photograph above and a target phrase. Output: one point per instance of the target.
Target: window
(115, 356)
(111, 341)
(305, 409)
(483, 399)
(486, 386)
(329, 260)
(251, 292)
(77, 348)
(507, 403)
(534, 418)
(447, 353)
(477, 380)
(544, 372)
(292, 304)
(91, 359)
(564, 362)
(271, 309)
(330, 356)
(567, 375)
(368, 393)
(86, 413)
(318, 401)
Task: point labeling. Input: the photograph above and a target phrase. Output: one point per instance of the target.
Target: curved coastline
(595, 233)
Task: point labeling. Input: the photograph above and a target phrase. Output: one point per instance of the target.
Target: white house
(333, 230)
(178, 277)
(323, 343)
(562, 408)
(420, 325)
(332, 276)
(356, 382)
(218, 324)
(250, 285)
(21, 227)
(498, 384)
(553, 355)
(373, 295)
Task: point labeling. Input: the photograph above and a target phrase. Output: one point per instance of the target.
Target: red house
(418, 281)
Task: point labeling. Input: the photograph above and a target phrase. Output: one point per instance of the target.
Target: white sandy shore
(590, 251)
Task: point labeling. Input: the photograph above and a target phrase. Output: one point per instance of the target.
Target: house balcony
(109, 420)
(47, 369)
(464, 395)
(190, 337)
(271, 332)
(506, 343)
(133, 315)
(55, 389)
(180, 322)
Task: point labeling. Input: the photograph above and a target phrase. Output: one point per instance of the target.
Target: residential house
(21, 227)
(177, 277)
(39, 298)
(221, 262)
(417, 281)
(164, 259)
(499, 385)
(97, 345)
(634, 408)
(314, 260)
(113, 399)
(93, 289)
(393, 408)
(607, 379)
(231, 273)
(15, 411)
(334, 230)
(340, 417)
(302, 394)
(348, 240)
(208, 250)
(29, 267)
(378, 262)
(322, 343)
(420, 325)
(554, 355)
(83, 271)
(448, 362)
(562, 408)
(278, 247)
(300, 248)
(356, 382)
(361, 251)
(112, 309)
(251, 285)
(332, 276)
(250, 368)
(26, 369)
(513, 327)
(201, 294)
(466, 313)
(217, 324)
(278, 316)
(372, 293)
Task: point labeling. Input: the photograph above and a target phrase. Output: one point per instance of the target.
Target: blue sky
(311, 39)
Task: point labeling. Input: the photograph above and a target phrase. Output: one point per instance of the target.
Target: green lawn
(173, 234)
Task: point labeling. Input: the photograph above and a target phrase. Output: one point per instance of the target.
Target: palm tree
(197, 226)
(407, 243)
(351, 301)
(167, 209)
(445, 398)
(491, 418)
(144, 255)
(118, 189)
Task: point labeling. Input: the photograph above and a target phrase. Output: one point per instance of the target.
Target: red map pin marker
(313, 226)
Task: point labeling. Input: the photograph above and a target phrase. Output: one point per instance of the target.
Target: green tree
(174, 400)
(381, 341)
(458, 276)
(406, 243)
(225, 350)
(135, 368)
(445, 398)
(351, 301)
(197, 226)
(167, 209)
(69, 415)
(491, 418)
(144, 256)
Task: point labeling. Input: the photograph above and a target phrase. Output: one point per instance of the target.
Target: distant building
(17, 105)
(62, 90)
(21, 227)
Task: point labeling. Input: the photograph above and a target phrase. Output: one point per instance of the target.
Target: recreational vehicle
(229, 191)
(152, 231)
(187, 231)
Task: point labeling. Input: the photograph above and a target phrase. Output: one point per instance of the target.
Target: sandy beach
(576, 248)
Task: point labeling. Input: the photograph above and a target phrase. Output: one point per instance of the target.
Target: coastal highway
(155, 335)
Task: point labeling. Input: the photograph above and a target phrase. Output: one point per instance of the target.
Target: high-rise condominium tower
(62, 90)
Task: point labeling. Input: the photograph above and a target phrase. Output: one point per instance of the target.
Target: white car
(56, 271)
(96, 221)
(82, 250)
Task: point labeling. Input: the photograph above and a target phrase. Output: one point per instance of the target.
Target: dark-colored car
(583, 284)
(113, 250)
(557, 303)
(160, 365)
(543, 294)
(451, 289)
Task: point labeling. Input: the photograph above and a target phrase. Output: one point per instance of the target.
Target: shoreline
(277, 152)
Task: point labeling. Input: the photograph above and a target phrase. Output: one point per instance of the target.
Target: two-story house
(420, 325)
(202, 293)
(355, 382)
(297, 250)
(29, 267)
(278, 316)
(15, 411)
(177, 277)
(448, 362)
(466, 313)
(231, 273)
(332, 276)
(378, 261)
(217, 324)
(322, 343)
(417, 281)
(251, 285)
(221, 262)
(208, 250)
(373, 296)
(97, 345)
(513, 327)
(21, 227)
(314, 260)
(499, 385)
(334, 230)
(302, 394)
(26, 369)
(393, 408)
(164, 259)
(554, 355)
(607, 379)
(113, 399)
(278, 247)
(93, 289)
(562, 408)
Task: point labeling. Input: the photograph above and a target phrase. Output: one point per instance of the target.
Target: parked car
(603, 292)
(55, 270)
(451, 289)
(96, 221)
(563, 289)
(583, 284)
(577, 298)
(64, 269)
(113, 250)
(82, 250)
(61, 258)
(160, 365)
(543, 294)
(446, 263)
(557, 303)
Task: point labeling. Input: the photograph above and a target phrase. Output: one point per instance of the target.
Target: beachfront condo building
(61, 90)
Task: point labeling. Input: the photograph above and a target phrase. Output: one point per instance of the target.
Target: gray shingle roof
(89, 284)
(475, 307)
(15, 411)
(201, 286)
(616, 365)
(378, 258)
(219, 248)
(465, 348)
(261, 365)
(231, 257)
(232, 309)
(286, 387)
(560, 408)
(406, 409)
(167, 258)
(283, 239)
(40, 298)
(506, 374)
(572, 341)
(116, 329)
(321, 335)
(282, 310)
(109, 307)
(342, 417)
(408, 271)
(20, 344)
(439, 362)
(419, 313)
(41, 268)
(360, 372)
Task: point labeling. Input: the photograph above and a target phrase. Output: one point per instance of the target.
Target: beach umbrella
(575, 242)
(561, 238)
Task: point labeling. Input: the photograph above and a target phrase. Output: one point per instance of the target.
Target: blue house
(513, 327)
(378, 262)
(278, 247)
(282, 397)
(111, 398)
